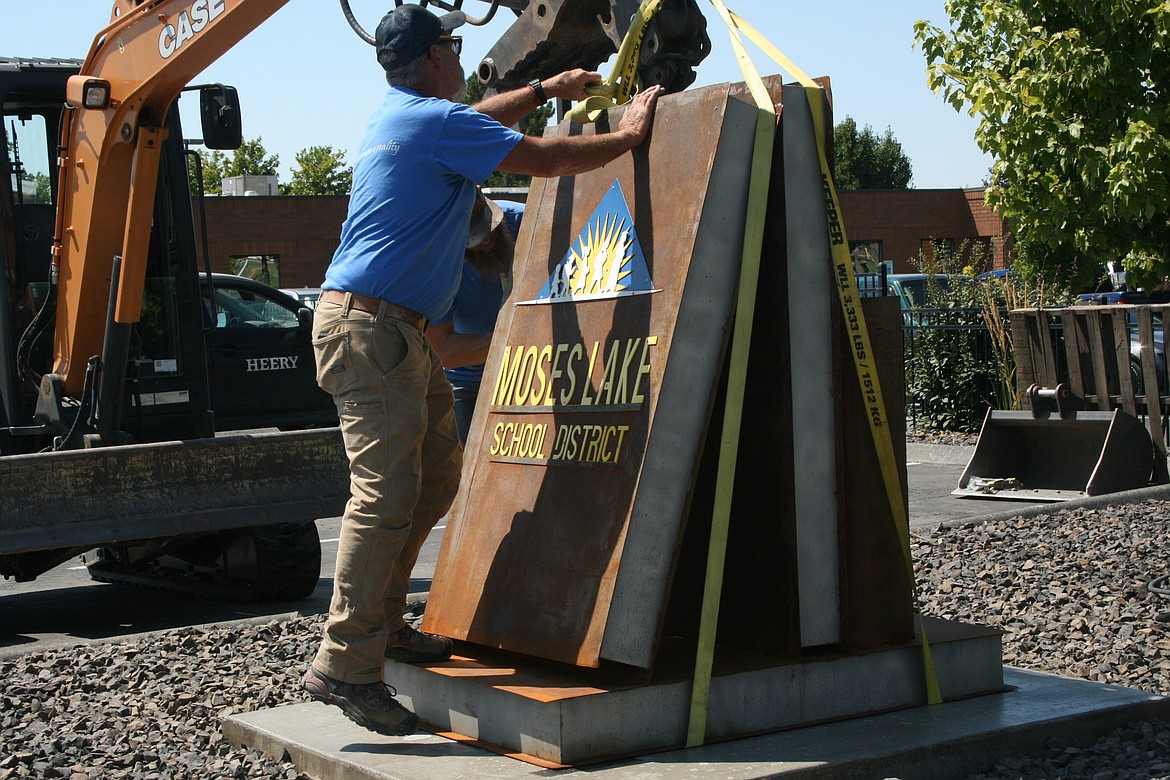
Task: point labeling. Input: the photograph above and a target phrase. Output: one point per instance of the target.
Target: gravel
(1069, 590)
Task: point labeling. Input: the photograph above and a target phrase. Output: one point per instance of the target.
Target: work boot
(370, 705)
(411, 646)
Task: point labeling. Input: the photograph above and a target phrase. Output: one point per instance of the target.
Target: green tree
(533, 124)
(321, 170)
(252, 159)
(44, 188)
(213, 164)
(1072, 105)
(865, 160)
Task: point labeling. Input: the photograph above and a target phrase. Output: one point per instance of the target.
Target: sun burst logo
(605, 261)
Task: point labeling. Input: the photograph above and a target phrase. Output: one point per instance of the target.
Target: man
(396, 267)
(463, 336)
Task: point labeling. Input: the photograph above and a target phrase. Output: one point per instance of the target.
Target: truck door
(260, 359)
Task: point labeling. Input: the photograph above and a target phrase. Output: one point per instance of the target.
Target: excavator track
(266, 563)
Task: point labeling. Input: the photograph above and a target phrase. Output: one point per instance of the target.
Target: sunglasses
(456, 42)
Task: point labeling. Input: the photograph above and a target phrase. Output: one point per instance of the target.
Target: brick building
(900, 225)
(293, 233)
(297, 234)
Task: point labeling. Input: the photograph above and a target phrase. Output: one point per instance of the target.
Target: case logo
(190, 23)
(605, 261)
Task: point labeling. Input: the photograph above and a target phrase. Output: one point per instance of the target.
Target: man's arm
(510, 107)
(569, 155)
(458, 349)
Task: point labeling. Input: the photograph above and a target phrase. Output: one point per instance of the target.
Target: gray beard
(496, 259)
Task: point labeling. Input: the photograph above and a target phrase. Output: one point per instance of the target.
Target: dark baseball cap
(409, 30)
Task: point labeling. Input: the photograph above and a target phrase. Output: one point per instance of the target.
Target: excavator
(109, 448)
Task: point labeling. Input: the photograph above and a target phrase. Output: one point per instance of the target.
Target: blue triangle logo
(605, 261)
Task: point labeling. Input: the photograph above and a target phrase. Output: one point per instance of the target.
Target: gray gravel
(1068, 589)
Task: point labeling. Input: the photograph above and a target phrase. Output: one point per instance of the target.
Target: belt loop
(381, 315)
(346, 305)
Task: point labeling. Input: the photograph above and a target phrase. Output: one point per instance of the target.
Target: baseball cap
(486, 216)
(409, 30)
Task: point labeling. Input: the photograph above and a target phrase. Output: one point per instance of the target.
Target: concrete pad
(562, 715)
(947, 740)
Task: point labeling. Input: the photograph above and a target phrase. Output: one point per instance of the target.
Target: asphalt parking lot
(64, 606)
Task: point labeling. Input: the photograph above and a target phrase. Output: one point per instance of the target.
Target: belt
(376, 306)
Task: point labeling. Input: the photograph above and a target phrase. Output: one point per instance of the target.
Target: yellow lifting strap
(862, 351)
(623, 82)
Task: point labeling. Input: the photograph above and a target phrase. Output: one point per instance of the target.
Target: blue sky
(305, 79)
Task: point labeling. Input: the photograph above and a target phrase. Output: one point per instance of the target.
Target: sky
(306, 79)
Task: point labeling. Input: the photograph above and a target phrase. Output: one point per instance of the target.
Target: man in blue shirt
(463, 336)
(398, 266)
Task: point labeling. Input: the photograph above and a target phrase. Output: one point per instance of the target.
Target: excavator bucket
(1023, 456)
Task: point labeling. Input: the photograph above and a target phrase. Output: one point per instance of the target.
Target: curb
(1136, 496)
(950, 454)
(960, 455)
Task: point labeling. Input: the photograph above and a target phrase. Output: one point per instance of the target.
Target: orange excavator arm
(110, 157)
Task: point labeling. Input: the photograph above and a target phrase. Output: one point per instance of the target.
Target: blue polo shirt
(413, 185)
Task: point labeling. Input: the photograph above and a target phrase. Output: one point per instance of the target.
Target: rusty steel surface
(556, 464)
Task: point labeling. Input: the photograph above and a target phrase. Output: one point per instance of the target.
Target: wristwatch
(538, 90)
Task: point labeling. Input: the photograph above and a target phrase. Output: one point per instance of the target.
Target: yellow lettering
(538, 393)
(594, 440)
(585, 399)
(574, 355)
(506, 379)
(607, 379)
(495, 450)
(559, 442)
(524, 378)
(621, 430)
(554, 374)
(643, 368)
(571, 450)
(624, 374)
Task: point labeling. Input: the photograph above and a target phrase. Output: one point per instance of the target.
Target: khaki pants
(399, 430)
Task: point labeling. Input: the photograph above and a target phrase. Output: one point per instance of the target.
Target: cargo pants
(397, 422)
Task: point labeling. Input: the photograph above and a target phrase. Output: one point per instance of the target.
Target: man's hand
(571, 84)
(640, 112)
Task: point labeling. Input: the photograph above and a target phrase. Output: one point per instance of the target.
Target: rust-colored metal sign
(595, 397)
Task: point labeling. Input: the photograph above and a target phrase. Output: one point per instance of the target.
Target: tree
(533, 125)
(212, 164)
(866, 161)
(1073, 107)
(252, 159)
(321, 170)
(44, 188)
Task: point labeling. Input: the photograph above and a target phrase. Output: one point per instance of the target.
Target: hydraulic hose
(473, 20)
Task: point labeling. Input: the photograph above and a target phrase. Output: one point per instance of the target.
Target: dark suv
(260, 358)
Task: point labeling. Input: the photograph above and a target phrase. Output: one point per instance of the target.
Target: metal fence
(951, 369)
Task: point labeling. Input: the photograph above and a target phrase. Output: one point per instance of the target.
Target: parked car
(999, 273)
(1135, 353)
(308, 296)
(912, 289)
(260, 357)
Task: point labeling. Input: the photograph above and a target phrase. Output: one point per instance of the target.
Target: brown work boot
(370, 705)
(411, 646)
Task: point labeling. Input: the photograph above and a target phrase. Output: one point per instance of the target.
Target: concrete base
(950, 740)
(560, 715)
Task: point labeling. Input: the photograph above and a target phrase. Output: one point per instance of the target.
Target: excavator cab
(166, 392)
